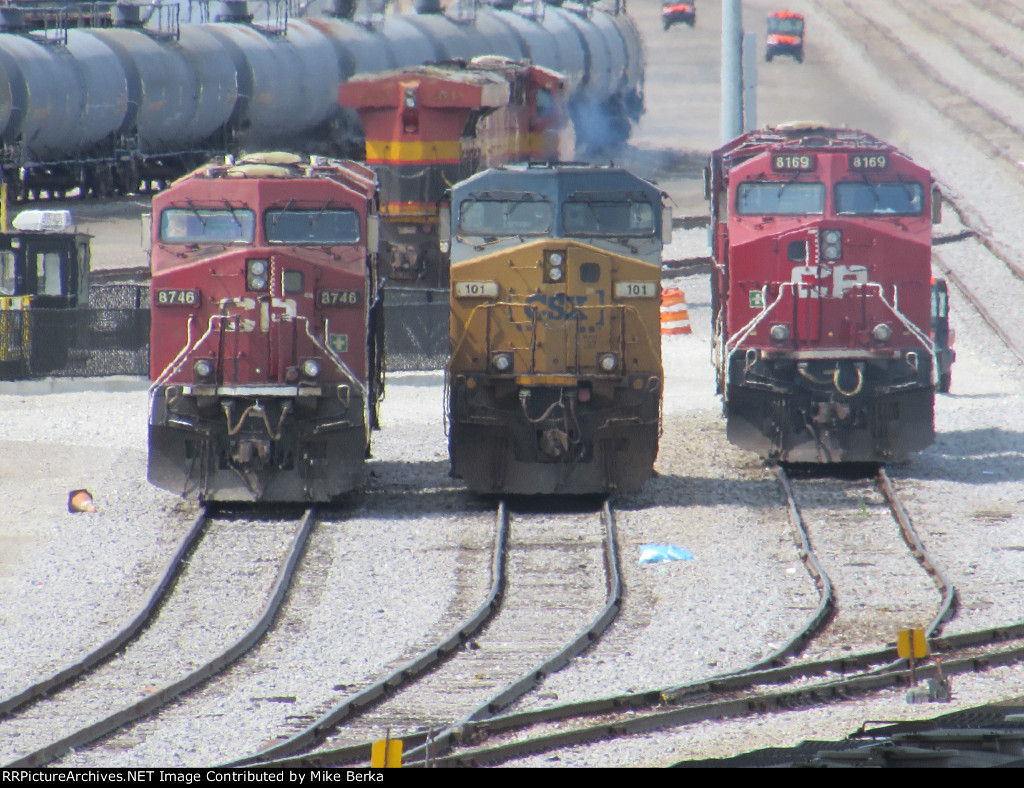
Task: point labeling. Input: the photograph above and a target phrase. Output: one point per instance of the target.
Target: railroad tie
(675, 319)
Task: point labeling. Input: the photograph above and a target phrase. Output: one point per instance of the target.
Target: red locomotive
(821, 295)
(266, 344)
(428, 127)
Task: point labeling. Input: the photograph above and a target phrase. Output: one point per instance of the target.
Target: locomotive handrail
(732, 346)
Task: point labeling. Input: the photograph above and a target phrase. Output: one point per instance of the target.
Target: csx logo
(558, 306)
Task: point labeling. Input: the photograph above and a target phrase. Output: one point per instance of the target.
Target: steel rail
(317, 731)
(160, 698)
(927, 71)
(813, 695)
(583, 639)
(767, 671)
(949, 597)
(422, 746)
(123, 637)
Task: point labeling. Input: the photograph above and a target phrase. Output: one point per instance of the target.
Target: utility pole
(732, 70)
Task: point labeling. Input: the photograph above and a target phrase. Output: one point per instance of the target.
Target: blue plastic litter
(656, 553)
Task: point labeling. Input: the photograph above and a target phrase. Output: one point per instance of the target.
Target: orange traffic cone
(675, 318)
(81, 501)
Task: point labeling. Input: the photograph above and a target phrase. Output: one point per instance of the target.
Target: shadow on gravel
(971, 457)
(669, 490)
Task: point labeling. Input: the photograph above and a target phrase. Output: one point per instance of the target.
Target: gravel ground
(743, 589)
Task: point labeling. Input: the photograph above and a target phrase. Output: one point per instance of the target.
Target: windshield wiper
(233, 214)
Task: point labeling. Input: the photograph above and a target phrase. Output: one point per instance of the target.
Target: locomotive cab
(44, 271)
(555, 374)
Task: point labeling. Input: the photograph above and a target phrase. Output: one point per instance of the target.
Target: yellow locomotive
(554, 383)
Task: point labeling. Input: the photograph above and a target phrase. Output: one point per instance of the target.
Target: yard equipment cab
(785, 35)
(673, 11)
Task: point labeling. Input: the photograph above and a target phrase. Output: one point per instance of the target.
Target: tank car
(555, 379)
(121, 107)
(821, 291)
(266, 345)
(427, 127)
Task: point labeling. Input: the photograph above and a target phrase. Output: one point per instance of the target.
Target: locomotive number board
(476, 289)
(338, 297)
(790, 162)
(636, 289)
(866, 161)
(177, 297)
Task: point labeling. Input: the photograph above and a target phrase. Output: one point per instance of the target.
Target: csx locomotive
(555, 380)
(428, 127)
(821, 295)
(266, 336)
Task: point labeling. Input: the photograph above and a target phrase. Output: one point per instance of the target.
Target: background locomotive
(555, 377)
(266, 349)
(821, 292)
(428, 127)
(111, 109)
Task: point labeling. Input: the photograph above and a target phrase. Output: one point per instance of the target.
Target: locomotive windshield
(780, 198)
(619, 219)
(505, 217)
(311, 226)
(868, 199)
(207, 225)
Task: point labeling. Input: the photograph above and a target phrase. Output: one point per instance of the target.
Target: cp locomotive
(266, 345)
(821, 295)
(555, 379)
(428, 127)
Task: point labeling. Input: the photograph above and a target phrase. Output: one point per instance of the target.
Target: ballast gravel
(415, 553)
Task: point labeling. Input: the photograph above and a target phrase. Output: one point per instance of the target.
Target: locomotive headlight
(832, 244)
(554, 266)
(779, 332)
(502, 362)
(203, 368)
(882, 332)
(256, 274)
(609, 362)
(310, 367)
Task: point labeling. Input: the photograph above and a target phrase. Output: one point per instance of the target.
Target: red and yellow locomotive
(821, 295)
(428, 127)
(266, 345)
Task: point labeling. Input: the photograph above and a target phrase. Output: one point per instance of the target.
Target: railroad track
(746, 691)
(543, 609)
(45, 721)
